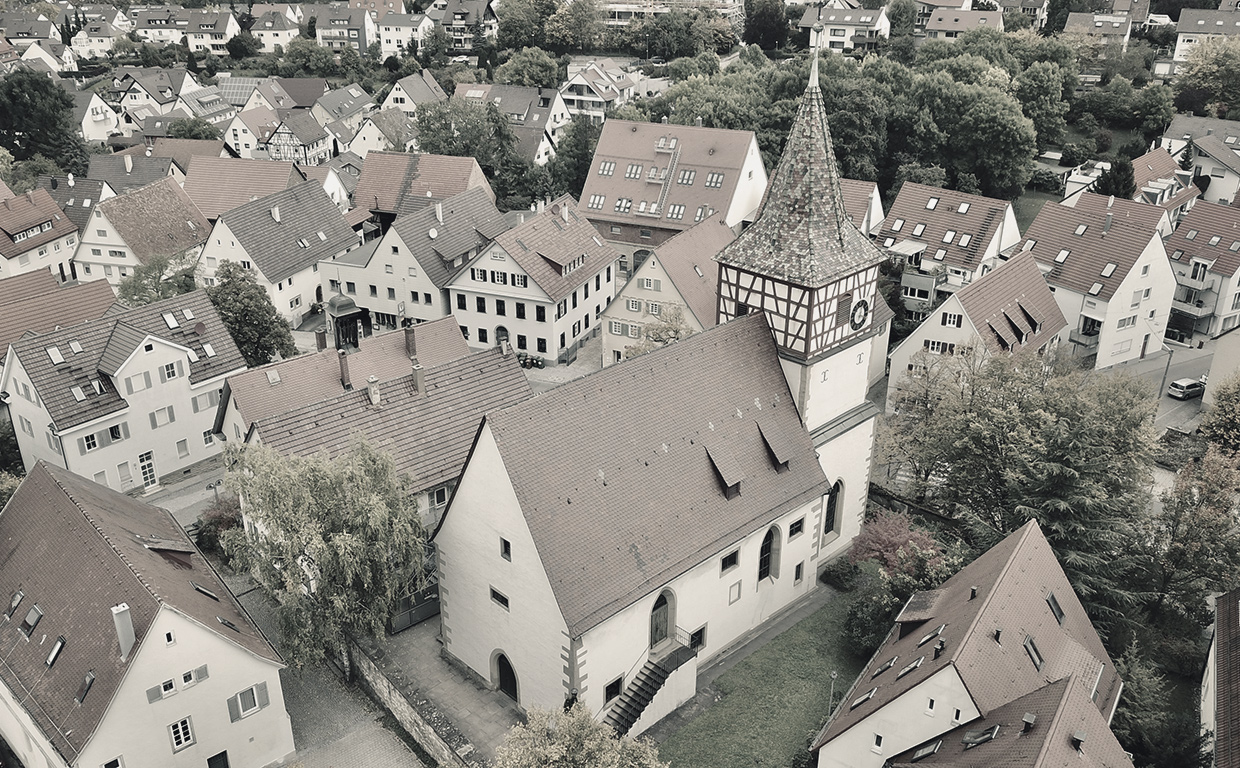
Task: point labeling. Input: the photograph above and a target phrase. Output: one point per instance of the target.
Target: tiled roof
(125, 173)
(1154, 165)
(860, 17)
(156, 220)
(1104, 241)
(1010, 304)
(613, 476)
(1060, 710)
(307, 379)
(470, 220)
(237, 90)
(55, 381)
(702, 151)
(246, 180)
(77, 200)
(428, 433)
(1227, 680)
(401, 182)
(33, 209)
(1215, 230)
(802, 234)
(1098, 23)
(395, 126)
(955, 20)
(310, 228)
(1219, 150)
(346, 101)
(422, 88)
(22, 314)
(5, 192)
(156, 125)
(261, 121)
(688, 261)
(1184, 127)
(210, 105)
(979, 218)
(304, 90)
(552, 240)
(303, 125)
(1013, 580)
(1206, 21)
(857, 195)
(273, 21)
(27, 286)
(76, 549)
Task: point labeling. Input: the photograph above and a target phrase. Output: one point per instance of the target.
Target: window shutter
(104, 437)
(129, 385)
(658, 285)
(154, 423)
(125, 429)
(154, 694)
(943, 320)
(82, 445)
(926, 343)
(180, 368)
(263, 699)
(959, 320)
(194, 404)
(234, 709)
(213, 398)
(146, 376)
(162, 377)
(200, 673)
(171, 415)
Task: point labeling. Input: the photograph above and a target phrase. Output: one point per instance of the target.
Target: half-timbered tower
(815, 276)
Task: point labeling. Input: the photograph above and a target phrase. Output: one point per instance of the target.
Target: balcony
(1194, 309)
(1206, 283)
(1083, 339)
(915, 278)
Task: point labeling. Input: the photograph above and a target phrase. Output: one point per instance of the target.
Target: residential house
(269, 94)
(348, 105)
(163, 25)
(282, 237)
(843, 30)
(22, 28)
(182, 152)
(404, 275)
(76, 197)
(672, 294)
(248, 179)
(95, 119)
(408, 92)
(379, 8)
(334, 180)
(9, 56)
(1205, 256)
(596, 89)
(1160, 181)
(35, 235)
(338, 28)
(948, 24)
(151, 127)
(946, 239)
(1203, 24)
(274, 29)
(133, 228)
(401, 34)
(1007, 628)
(620, 14)
(1219, 717)
(302, 91)
(545, 269)
(125, 645)
(56, 55)
(1185, 128)
(250, 131)
(125, 173)
(1105, 262)
(927, 8)
(28, 296)
(460, 17)
(127, 398)
(1009, 309)
(386, 130)
(209, 104)
(650, 181)
(1105, 29)
(210, 31)
(158, 90)
(1036, 10)
(238, 90)
(538, 115)
(393, 184)
(1216, 158)
(299, 138)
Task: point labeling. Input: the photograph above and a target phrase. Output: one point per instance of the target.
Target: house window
(1034, 654)
(350, 287)
(91, 442)
(633, 171)
(832, 507)
(714, 180)
(505, 548)
(183, 448)
(606, 168)
(499, 598)
(501, 307)
(798, 573)
(519, 307)
(167, 688)
(766, 554)
(796, 528)
(170, 371)
(730, 561)
(374, 291)
(482, 335)
(208, 438)
(596, 202)
(182, 734)
(480, 303)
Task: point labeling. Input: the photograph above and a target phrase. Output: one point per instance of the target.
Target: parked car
(1186, 389)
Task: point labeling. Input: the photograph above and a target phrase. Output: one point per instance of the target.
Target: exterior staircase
(641, 691)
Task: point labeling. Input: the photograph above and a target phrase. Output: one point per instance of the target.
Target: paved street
(1184, 364)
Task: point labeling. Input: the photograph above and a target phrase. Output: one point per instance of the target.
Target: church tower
(815, 276)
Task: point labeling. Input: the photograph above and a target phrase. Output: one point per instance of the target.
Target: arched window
(768, 555)
(833, 505)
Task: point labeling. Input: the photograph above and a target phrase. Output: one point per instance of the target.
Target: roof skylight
(1095, 289)
(863, 698)
(171, 320)
(1109, 269)
(54, 354)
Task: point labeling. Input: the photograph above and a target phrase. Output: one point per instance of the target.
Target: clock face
(860, 311)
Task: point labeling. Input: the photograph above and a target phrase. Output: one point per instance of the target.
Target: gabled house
(405, 274)
(946, 239)
(249, 132)
(27, 298)
(270, 94)
(401, 34)
(1103, 28)
(461, 16)
(302, 91)
(125, 399)
(1160, 181)
(1105, 262)
(210, 31)
(95, 119)
(55, 54)
(844, 30)
(1215, 157)
(76, 197)
(238, 90)
(927, 8)
(386, 130)
(596, 89)
(649, 181)
(34, 235)
(1006, 626)
(125, 173)
(1219, 684)
(299, 138)
(675, 288)
(555, 274)
(159, 90)
(948, 24)
(126, 647)
(23, 27)
(131, 229)
(338, 28)
(538, 115)
(1009, 309)
(210, 105)
(1036, 10)
(274, 28)
(163, 25)
(408, 92)
(282, 237)
(348, 105)
(1203, 24)
(1205, 256)
(1185, 128)
(182, 152)
(393, 184)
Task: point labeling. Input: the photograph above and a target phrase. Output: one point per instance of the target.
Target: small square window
(796, 528)
(499, 598)
(505, 549)
(730, 561)
(613, 689)
(168, 687)
(697, 640)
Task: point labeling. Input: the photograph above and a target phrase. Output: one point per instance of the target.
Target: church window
(831, 512)
(768, 555)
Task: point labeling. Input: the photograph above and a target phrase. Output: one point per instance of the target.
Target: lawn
(1026, 207)
(772, 701)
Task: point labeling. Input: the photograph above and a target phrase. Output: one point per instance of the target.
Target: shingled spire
(802, 234)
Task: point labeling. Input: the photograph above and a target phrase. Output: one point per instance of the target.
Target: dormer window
(15, 601)
(33, 616)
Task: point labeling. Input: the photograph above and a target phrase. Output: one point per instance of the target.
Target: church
(610, 536)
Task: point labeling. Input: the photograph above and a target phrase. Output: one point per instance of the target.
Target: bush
(1103, 139)
(1075, 154)
(224, 514)
(1132, 149)
(841, 574)
(1044, 180)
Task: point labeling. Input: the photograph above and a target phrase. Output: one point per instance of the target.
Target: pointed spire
(812, 85)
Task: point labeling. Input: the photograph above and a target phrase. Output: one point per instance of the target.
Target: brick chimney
(411, 342)
(372, 387)
(320, 340)
(345, 381)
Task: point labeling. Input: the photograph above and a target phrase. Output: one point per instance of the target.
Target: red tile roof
(1227, 680)
(1215, 238)
(33, 209)
(31, 284)
(220, 184)
(1013, 303)
(156, 220)
(940, 212)
(1154, 165)
(400, 182)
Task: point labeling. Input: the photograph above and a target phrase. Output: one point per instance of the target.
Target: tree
(338, 542)
(192, 128)
(1118, 180)
(575, 26)
(766, 25)
(668, 328)
(1155, 106)
(1039, 89)
(572, 739)
(243, 46)
(1146, 727)
(1188, 156)
(903, 16)
(1221, 425)
(1213, 67)
(529, 66)
(466, 129)
(435, 47)
(522, 22)
(1015, 21)
(250, 317)
(36, 118)
(161, 277)
(571, 165)
(25, 174)
(8, 485)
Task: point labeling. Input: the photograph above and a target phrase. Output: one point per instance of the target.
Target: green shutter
(234, 709)
(154, 694)
(263, 699)
(200, 673)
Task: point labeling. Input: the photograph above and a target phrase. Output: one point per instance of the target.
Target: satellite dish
(434, 233)
(200, 328)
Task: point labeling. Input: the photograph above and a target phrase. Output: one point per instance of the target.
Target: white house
(538, 115)
(282, 237)
(299, 138)
(1105, 262)
(1216, 158)
(401, 34)
(555, 275)
(408, 92)
(96, 119)
(250, 130)
(274, 28)
(210, 31)
(1205, 256)
(35, 234)
(126, 648)
(948, 23)
(596, 88)
(131, 229)
(125, 399)
(383, 131)
(845, 29)
(56, 55)
(1203, 24)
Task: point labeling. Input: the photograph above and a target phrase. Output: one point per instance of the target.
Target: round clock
(860, 311)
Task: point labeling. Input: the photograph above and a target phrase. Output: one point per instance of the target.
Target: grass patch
(772, 701)
(1027, 206)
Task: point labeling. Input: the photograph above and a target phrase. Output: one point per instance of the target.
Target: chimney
(70, 179)
(698, 121)
(972, 593)
(439, 212)
(504, 346)
(320, 340)
(1078, 739)
(665, 119)
(128, 163)
(345, 381)
(372, 387)
(30, 196)
(938, 648)
(1106, 227)
(1029, 719)
(1110, 202)
(541, 205)
(564, 213)
(411, 342)
(419, 377)
(124, 629)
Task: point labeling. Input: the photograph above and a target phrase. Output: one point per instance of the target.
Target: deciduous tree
(571, 165)
(36, 118)
(1221, 425)
(766, 25)
(337, 542)
(668, 328)
(8, 485)
(250, 317)
(192, 128)
(575, 26)
(1039, 89)
(572, 739)
(161, 277)
(529, 66)
(243, 46)
(1213, 67)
